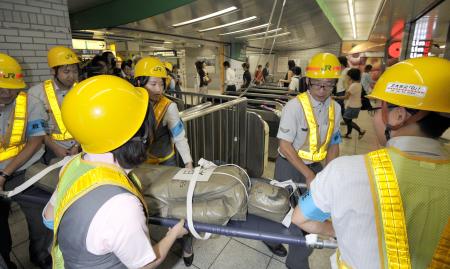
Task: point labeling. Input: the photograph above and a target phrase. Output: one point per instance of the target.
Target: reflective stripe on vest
(160, 109)
(17, 133)
(315, 153)
(441, 256)
(56, 112)
(69, 192)
(392, 217)
(341, 264)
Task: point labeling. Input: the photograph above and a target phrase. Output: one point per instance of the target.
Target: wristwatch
(6, 176)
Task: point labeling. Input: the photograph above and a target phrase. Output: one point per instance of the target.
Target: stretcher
(255, 228)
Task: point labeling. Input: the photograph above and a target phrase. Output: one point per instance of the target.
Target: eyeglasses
(320, 86)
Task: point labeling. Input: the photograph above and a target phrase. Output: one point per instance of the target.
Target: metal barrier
(217, 132)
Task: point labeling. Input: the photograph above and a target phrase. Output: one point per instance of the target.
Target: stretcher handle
(233, 231)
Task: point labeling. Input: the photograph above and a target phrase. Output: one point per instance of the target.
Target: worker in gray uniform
(22, 135)
(46, 99)
(308, 134)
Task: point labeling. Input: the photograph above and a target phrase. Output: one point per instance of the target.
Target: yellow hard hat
(61, 56)
(419, 83)
(169, 66)
(323, 65)
(150, 67)
(11, 76)
(103, 112)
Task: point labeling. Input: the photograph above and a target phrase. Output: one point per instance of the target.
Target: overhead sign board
(83, 44)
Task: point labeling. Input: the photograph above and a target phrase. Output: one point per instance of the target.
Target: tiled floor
(221, 252)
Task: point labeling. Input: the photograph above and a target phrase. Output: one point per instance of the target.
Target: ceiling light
(209, 16)
(168, 42)
(229, 24)
(247, 29)
(262, 33)
(442, 47)
(351, 10)
(267, 37)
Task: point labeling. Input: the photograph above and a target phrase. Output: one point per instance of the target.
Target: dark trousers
(231, 88)
(5, 234)
(32, 202)
(341, 102)
(350, 125)
(298, 255)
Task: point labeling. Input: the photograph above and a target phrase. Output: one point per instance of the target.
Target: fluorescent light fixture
(168, 42)
(252, 18)
(442, 47)
(209, 16)
(247, 29)
(351, 10)
(262, 33)
(267, 37)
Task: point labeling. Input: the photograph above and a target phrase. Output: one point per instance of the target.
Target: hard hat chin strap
(416, 116)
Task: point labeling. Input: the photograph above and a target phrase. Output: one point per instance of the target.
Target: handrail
(262, 95)
(272, 91)
(209, 110)
(195, 108)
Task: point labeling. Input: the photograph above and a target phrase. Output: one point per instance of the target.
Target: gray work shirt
(38, 100)
(35, 127)
(294, 127)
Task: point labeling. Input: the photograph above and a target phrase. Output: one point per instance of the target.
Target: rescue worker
(308, 135)
(150, 73)
(97, 211)
(46, 98)
(22, 135)
(396, 209)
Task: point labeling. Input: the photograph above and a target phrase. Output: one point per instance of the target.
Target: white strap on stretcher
(190, 194)
(35, 178)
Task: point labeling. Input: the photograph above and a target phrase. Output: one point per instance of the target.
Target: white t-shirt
(343, 190)
(295, 83)
(342, 83)
(120, 227)
(230, 77)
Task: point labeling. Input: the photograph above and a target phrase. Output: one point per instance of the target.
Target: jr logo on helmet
(11, 75)
(69, 56)
(326, 68)
(158, 69)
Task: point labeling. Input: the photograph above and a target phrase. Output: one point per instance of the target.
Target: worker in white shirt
(97, 212)
(390, 208)
(230, 77)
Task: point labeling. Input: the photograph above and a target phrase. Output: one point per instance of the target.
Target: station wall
(28, 28)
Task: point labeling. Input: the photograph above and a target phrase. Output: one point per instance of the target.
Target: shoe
(188, 260)
(278, 250)
(361, 134)
(44, 263)
(347, 136)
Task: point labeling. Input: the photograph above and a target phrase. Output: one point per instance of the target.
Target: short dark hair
(343, 60)
(134, 151)
(367, 68)
(297, 70)
(259, 66)
(226, 64)
(125, 63)
(433, 125)
(354, 74)
(291, 64)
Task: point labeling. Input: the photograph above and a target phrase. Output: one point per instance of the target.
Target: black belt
(309, 165)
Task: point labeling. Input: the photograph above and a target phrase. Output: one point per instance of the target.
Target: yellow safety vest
(160, 109)
(71, 188)
(315, 153)
(394, 243)
(16, 142)
(53, 104)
